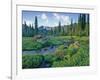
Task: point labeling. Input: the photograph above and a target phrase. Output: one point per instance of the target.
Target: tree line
(80, 28)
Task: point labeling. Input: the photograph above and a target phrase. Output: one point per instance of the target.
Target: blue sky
(50, 19)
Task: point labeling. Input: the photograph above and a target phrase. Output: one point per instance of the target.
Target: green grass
(29, 44)
(31, 61)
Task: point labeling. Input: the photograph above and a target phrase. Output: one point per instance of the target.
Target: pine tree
(83, 22)
(68, 30)
(59, 27)
(51, 31)
(36, 25)
(55, 30)
(87, 27)
(25, 29)
(78, 30)
(71, 27)
(33, 30)
(63, 31)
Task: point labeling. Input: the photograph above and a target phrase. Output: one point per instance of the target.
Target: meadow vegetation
(76, 53)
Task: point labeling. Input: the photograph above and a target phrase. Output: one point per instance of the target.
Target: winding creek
(47, 50)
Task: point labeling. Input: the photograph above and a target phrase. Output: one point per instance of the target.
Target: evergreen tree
(55, 30)
(87, 27)
(24, 29)
(78, 30)
(71, 27)
(25, 26)
(36, 25)
(52, 31)
(30, 31)
(25, 23)
(33, 30)
(59, 27)
(83, 22)
(27, 31)
(63, 31)
(68, 30)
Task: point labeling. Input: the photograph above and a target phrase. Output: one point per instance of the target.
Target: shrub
(32, 61)
(26, 61)
(62, 63)
(58, 64)
(29, 44)
(83, 33)
(46, 43)
(48, 59)
(72, 49)
(60, 52)
(81, 58)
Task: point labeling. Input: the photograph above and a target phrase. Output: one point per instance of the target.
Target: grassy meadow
(76, 53)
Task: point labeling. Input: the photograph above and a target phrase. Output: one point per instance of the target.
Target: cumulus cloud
(57, 16)
(65, 19)
(44, 17)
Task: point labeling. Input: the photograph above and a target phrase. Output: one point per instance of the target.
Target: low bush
(60, 52)
(72, 49)
(81, 58)
(28, 44)
(49, 59)
(58, 64)
(32, 61)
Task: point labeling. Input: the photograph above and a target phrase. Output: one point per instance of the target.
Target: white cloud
(57, 16)
(64, 19)
(44, 17)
